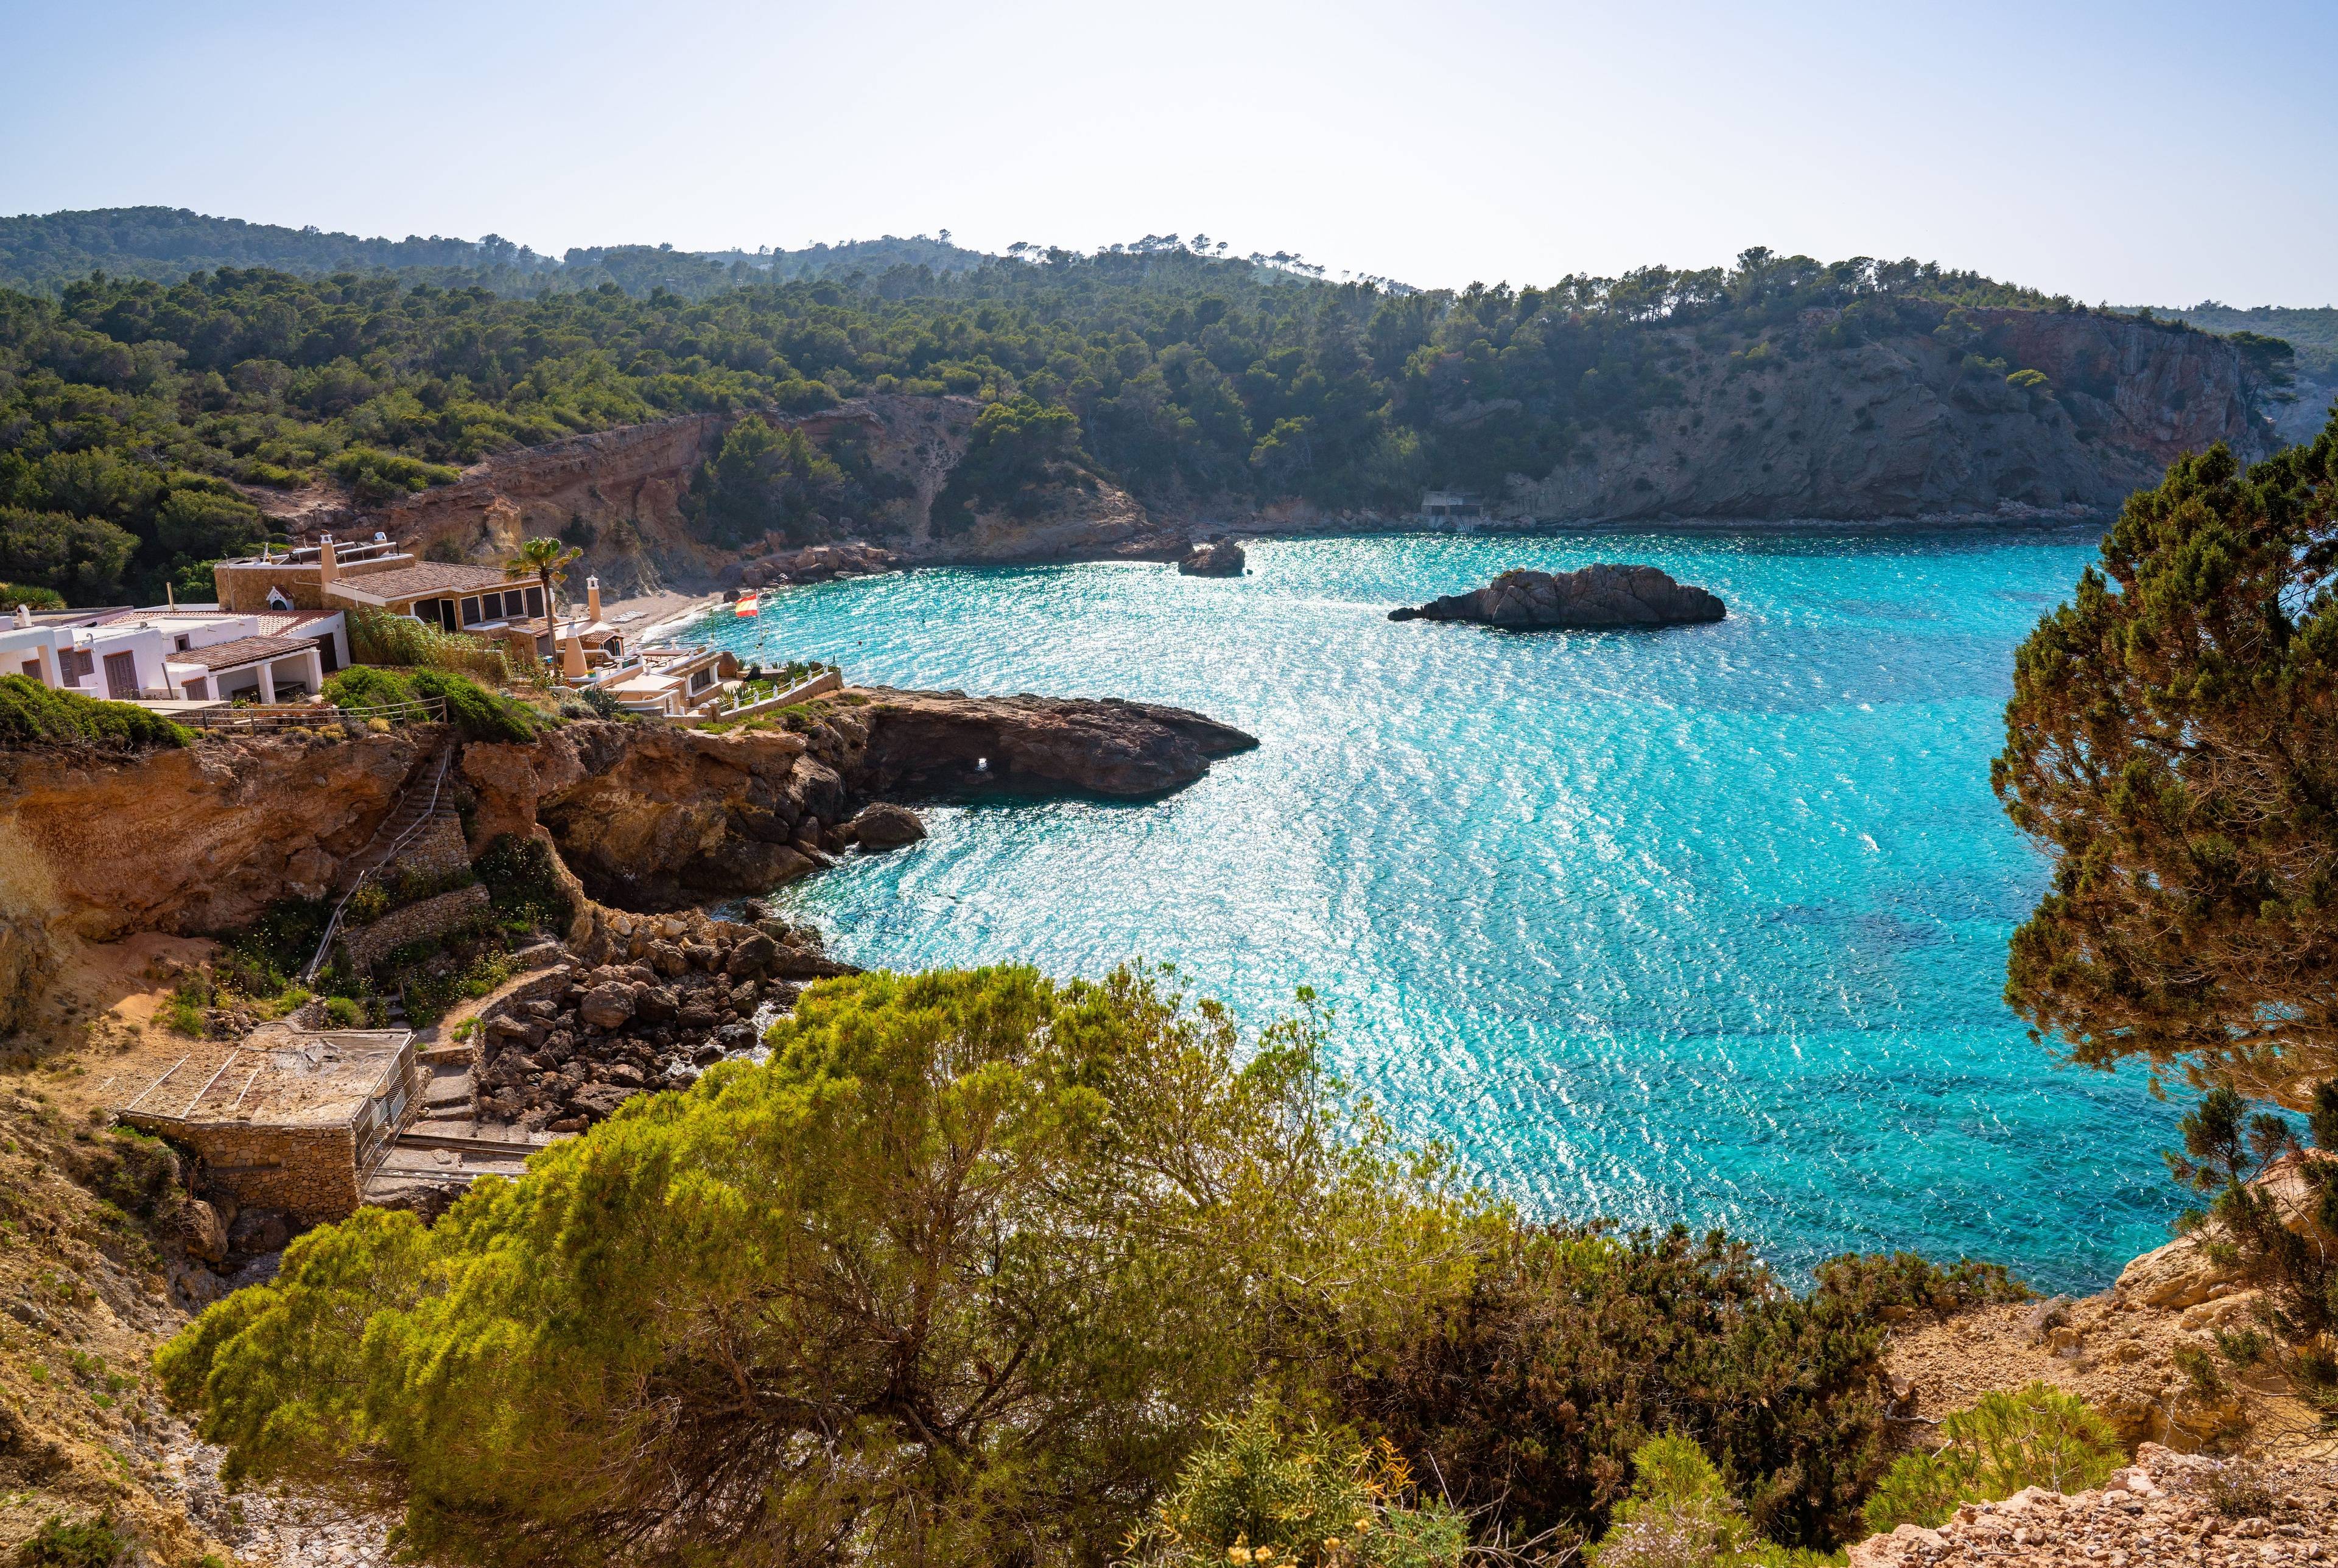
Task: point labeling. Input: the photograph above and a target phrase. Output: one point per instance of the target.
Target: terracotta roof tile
(242, 650)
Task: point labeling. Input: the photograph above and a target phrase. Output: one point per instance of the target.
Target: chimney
(592, 599)
(325, 560)
(571, 656)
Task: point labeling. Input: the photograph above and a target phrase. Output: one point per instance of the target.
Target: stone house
(292, 1118)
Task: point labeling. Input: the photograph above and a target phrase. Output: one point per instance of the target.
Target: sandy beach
(655, 612)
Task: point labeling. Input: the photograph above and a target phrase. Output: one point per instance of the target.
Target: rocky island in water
(1599, 595)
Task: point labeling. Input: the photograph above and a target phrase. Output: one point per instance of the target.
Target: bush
(1278, 1497)
(94, 1543)
(1679, 1514)
(33, 715)
(1902, 1284)
(479, 714)
(2039, 1436)
(1582, 1344)
(378, 477)
(523, 884)
(344, 1013)
(365, 686)
(15, 595)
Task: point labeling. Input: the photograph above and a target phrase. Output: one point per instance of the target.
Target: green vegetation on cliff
(975, 1270)
(141, 416)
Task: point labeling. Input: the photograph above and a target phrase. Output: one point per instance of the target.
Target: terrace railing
(268, 718)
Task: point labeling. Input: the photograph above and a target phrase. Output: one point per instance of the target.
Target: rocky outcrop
(926, 743)
(1597, 596)
(1222, 559)
(2164, 1508)
(813, 564)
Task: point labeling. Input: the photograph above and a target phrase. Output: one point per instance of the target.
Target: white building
(174, 654)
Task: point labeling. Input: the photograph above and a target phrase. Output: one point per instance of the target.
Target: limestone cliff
(95, 847)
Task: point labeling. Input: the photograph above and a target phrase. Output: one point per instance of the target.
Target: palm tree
(542, 559)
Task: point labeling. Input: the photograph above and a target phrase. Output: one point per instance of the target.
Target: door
(122, 676)
(325, 652)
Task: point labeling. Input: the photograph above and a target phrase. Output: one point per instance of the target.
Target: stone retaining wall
(370, 945)
(309, 1172)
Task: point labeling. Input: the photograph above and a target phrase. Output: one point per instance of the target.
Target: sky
(2130, 153)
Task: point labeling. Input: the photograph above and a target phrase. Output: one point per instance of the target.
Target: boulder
(885, 826)
(607, 1006)
(206, 1237)
(259, 1231)
(751, 956)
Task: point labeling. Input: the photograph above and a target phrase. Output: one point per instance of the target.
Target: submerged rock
(1597, 596)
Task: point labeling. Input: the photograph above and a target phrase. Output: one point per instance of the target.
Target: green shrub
(13, 594)
(523, 883)
(366, 686)
(1582, 1343)
(1680, 1514)
(479, 713)
(2039, 1436)
(344, 1013)
(94, 1543)
(1902, 1284)
(1282, 1496)
(33, 715)
(378, 477)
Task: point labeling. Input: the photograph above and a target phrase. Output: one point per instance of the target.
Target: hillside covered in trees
(144, 421)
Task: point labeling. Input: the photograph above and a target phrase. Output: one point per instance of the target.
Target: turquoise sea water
(1706, 923)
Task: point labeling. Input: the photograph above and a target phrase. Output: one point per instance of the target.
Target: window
(471, 612)
(194, 689)
(178, 643)
(701, 678)
(536, 601)
(33, 668)
(76, 663)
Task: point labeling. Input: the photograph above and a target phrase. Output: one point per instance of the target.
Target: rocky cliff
(93, 848)
(1814, 423)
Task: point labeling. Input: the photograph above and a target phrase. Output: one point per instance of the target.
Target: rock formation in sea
(1223, 558)
(1599, 595)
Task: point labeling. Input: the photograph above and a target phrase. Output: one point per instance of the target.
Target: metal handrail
(281, 715)
(333, 926)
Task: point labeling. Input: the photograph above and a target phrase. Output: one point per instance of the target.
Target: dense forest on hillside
(40, 254)
(138, 418)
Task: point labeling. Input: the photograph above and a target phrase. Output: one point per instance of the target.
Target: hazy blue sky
(2129, 153)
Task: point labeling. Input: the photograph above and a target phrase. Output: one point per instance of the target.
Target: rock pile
(2166, 1508)
(669, 996)
(1597, 596)
(1223, 558)
(818, 563)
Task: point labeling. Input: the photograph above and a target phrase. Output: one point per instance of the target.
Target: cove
(1704, 923)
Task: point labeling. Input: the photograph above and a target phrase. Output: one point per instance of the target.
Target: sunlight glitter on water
(1704, 923)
